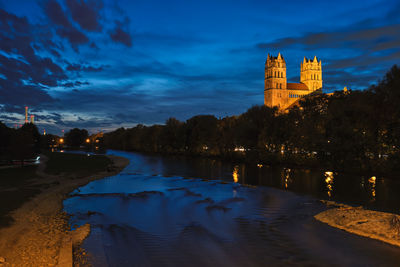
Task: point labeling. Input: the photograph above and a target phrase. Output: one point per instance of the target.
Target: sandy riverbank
(378, 225)
(40, 235)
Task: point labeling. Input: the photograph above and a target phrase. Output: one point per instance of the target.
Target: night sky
(100, 65)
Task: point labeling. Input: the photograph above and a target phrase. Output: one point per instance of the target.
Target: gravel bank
(40, 232)
(378, 225)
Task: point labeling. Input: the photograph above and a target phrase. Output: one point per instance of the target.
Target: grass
(19, 185)
(76, 164)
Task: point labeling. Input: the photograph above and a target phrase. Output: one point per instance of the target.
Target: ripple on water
(143, 218)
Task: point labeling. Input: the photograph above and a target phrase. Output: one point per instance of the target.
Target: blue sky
(100, 65)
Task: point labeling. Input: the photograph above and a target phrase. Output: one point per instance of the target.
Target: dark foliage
(19, 144)
(76, 137)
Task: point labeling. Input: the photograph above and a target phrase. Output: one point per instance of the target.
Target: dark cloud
(127, 118)
(4, 117)
(15, 35)
(363, 61)
(65, 29)
(31, 60)
(372, 40)
(74, 36)
(121, 35)
(93, 45)
(35, 70)
(85, 68)
(86, 13)
(176, 71)
(74, 84)
(45, 44)
(16, 23)
(56, 14)
(55, 53)
(50, 118)
(338, 78)
(12, 108)
(368, 36)
(26, 75)
(19, 94)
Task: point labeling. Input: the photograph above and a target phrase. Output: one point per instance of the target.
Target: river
(178, 211)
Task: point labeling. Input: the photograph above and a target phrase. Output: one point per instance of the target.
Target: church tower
(275, 93)
(311, 74)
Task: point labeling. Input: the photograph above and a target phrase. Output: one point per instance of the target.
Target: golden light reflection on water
(235, 174)
(372, 182)
(286, 177)
(329, 182)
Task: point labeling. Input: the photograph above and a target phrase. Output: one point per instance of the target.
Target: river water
(177, 211)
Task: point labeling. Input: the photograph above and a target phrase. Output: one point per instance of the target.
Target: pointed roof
(296, 86)
(279, 57)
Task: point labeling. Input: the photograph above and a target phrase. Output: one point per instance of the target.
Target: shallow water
(172, 212)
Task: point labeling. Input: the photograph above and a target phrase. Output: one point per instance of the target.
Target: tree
(76, 137)
(172, 138)
(202, 134)
(5, 142)
(25, 142)
(252, 123)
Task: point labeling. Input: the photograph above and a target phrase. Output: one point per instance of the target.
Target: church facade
(278, 92)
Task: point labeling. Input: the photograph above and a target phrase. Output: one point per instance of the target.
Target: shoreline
(40, 234)
(382, 226)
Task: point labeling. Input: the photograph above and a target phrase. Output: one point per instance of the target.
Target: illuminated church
(278, 92)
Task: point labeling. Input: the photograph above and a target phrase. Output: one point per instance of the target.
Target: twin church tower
(278, 92)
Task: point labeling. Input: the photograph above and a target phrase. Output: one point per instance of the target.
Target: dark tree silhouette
(76, 137)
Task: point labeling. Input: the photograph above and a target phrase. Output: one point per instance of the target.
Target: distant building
(278, 92)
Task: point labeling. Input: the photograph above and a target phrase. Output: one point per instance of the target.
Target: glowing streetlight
(61, 140)
(88, 140)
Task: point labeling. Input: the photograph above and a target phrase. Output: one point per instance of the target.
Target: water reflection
(372, 182)
(352, 189)
(235, 174)
(329, 182)
(286, 177)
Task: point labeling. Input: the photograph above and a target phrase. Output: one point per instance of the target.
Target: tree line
(26, 143)
(347, 130)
